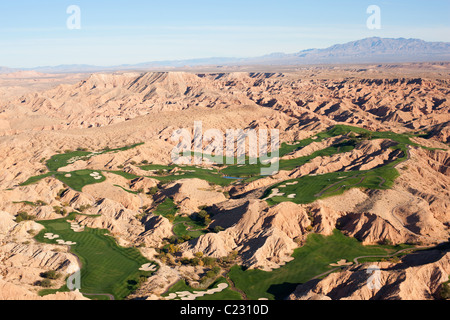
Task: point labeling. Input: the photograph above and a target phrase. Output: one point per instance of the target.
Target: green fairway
(76, 180)
(64, 159)
(354, 134)
(106, 267)
(311, 188)
(255, 170)
(187, 172)
(309, 261)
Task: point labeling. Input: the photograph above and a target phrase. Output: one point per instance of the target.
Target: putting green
(106, 267)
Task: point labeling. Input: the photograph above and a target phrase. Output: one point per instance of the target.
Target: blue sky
(34, 33)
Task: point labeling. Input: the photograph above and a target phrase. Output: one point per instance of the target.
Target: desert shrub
(204, 217)
(24, 216)
(84, 207)
(195, 262)
(60, 192)
(173, 248)
(41, 203)
(208, 261)
(153, 191)
(52, 275)
(386, 242)
(46, 283)
(198, 254)
(59, 210)
(445, 290)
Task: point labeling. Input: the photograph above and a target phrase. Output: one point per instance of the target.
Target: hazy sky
(34, 33)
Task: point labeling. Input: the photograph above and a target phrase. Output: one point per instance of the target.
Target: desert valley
(88, 185)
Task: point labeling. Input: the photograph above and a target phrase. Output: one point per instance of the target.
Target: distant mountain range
(369, 50)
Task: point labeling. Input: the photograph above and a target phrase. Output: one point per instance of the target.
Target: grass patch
(129, 191)
(168, 209)
(46, 292)
(35, 179)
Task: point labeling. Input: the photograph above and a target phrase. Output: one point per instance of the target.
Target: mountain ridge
(368, 50)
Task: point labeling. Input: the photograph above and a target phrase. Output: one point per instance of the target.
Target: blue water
(233, 178)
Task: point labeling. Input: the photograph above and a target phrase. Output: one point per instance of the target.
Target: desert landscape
(88, 185)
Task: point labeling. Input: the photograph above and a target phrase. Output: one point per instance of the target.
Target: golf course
(110, 271)
(107, 269)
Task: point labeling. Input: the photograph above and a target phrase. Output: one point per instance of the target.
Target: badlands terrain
(87, 182)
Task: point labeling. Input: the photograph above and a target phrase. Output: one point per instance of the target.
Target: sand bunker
(66, 243)
(292, 196)
(75, 226)
(96, 175)
(148, 267)
(51, 236)
(341, 263)
(68, 175)
(275, 193)
(186, 295)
